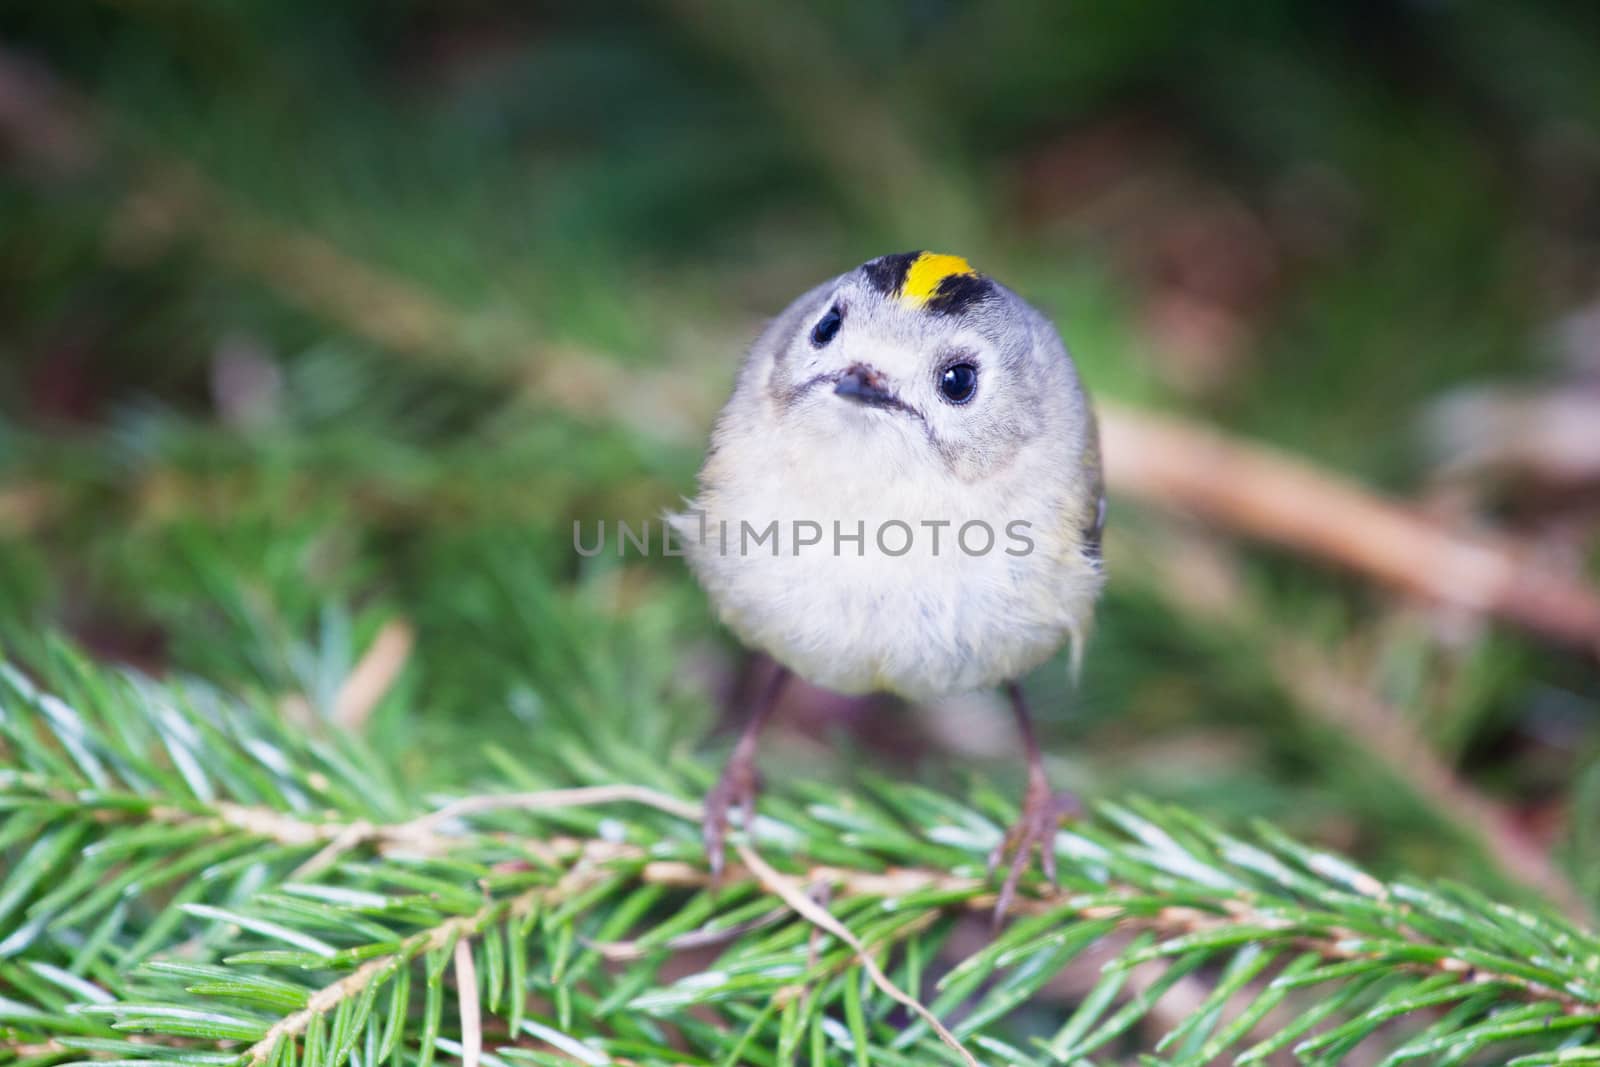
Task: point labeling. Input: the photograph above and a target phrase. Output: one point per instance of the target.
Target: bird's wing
(1092, 520)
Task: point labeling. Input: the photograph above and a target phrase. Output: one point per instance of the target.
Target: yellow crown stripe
(927, 271)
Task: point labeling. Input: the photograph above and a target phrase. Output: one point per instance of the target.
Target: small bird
(903, 494)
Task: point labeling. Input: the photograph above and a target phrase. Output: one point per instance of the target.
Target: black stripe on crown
(888, 273)
(958, 292)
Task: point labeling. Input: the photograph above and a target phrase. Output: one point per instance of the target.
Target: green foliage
(189, 879)
(502, 200)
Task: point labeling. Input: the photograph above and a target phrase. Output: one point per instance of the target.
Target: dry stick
(823, 919)
(467, 999)
(1273, 496)
(625, 951)
(351, 836)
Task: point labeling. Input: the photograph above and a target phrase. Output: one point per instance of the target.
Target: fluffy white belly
(894, 611)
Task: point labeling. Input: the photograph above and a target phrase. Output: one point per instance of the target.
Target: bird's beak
(865, 386)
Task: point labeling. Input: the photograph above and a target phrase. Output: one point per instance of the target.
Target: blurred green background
(322, 322)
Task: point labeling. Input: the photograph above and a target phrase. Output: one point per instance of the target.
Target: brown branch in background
(1275, 497)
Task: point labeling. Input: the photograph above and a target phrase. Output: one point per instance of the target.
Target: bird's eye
(827, 326)
(958, 382)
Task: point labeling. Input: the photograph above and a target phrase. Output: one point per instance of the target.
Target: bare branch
(471, 1010)
(1276, 497)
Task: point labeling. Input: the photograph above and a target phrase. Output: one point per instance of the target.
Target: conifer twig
(548, 800)
(1175, 921)
(458, 930)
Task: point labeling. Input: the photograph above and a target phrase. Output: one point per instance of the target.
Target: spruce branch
(168, 913)
(455, 933)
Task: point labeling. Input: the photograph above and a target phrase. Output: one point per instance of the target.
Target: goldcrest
(903, 494)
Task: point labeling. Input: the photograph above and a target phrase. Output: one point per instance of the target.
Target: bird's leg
(1043, 809)
(739, 782)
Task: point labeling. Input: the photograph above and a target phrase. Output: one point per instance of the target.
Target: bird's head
(917, 358)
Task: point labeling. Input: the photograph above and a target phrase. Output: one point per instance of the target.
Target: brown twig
(626, 951)
(1273, 496)
(467, 1001)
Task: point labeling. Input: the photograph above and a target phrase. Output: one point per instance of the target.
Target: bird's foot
(736, 789)
(1043, 811)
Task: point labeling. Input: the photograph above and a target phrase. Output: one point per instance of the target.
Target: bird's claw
(736, 789)
(1042, 814)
